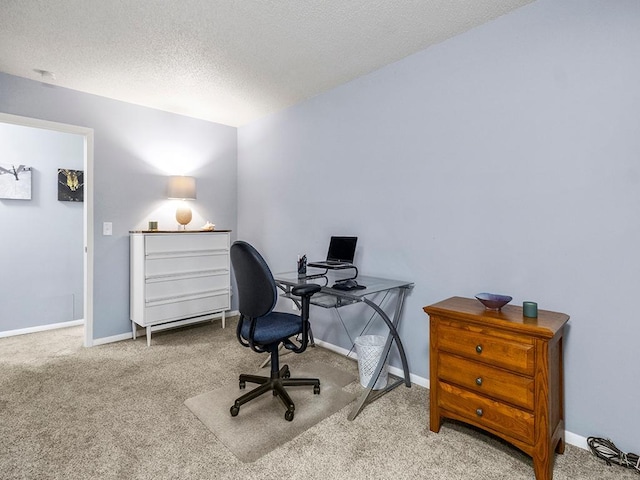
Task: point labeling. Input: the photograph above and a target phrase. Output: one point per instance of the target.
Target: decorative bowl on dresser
(500, 371)
(493, 301)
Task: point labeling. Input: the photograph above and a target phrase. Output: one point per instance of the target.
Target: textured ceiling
(227, 61)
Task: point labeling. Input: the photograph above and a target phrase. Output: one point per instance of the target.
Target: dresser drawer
(155, 266)
(185, 307)
(485, 412)
(513, 353)
(487, 380)
(185, 285)
(185, 242)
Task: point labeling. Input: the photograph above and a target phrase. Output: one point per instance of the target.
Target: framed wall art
(70, 185)
(15, 182)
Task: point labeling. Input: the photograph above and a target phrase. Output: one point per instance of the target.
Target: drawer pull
(479, 412)
(479, 381)
(479, 348)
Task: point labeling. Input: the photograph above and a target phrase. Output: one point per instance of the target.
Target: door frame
(87, 133)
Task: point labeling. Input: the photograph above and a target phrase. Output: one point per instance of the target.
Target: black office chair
(263, 330)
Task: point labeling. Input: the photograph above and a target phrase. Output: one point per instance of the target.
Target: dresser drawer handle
(479, 381)
(479, 412)
(479, 348)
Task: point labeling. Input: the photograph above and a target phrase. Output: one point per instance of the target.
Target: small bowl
(493, 301)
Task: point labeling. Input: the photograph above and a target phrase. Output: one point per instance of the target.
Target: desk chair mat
(260, 426)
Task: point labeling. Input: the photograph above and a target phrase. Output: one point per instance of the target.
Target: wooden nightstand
(501, 372)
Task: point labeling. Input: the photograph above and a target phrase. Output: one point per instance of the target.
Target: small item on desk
(302, 266)
(530, 309)
(153, 226)
(208, 227)
(348, 285)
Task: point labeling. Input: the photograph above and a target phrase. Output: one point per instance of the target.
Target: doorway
(87, 134)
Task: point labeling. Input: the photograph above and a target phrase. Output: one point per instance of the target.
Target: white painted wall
(504, 160)
(41, 251)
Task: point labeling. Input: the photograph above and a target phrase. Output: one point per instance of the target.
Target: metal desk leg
(369, 394)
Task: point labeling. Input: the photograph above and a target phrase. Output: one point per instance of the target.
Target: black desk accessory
(348, 284)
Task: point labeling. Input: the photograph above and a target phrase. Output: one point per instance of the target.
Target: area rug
(260, 427)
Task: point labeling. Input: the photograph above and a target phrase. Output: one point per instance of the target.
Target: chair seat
(273, 327)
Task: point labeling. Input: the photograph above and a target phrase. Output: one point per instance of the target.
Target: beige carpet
(260, 426)
(117, 412)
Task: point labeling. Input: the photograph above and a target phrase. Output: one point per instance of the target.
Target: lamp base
(183, 216)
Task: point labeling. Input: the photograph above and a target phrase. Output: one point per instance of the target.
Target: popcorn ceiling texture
(226, 61)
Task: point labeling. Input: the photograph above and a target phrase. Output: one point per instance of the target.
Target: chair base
(275, 383)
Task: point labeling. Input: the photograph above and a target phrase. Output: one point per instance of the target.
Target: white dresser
(178, 278)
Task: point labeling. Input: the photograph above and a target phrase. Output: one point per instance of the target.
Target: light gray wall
(41, 252)
(135, 148)
(504, 160)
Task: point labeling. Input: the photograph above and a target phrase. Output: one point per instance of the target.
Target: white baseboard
(115, 338)
(576, 440)
(570, 438)
(41, 328)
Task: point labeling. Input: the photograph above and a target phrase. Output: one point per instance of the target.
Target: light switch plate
(107, 228)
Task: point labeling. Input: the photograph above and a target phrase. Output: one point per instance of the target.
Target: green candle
(530, 309)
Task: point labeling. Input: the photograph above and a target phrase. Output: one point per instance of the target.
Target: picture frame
(15, 182)
(70, 185)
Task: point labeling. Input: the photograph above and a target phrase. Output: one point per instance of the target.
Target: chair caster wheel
(316, 389)
(234, 411)
(242, 385)
(288, 415)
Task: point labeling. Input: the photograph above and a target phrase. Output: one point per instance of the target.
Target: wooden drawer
(185, 307)
(487, 413)
(512, 353)
(487, 380)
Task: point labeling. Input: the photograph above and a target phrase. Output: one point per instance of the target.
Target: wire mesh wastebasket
(369, 349)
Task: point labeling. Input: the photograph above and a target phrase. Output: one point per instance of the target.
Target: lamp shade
(182, 188)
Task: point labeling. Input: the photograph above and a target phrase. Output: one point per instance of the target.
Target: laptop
(340, 254)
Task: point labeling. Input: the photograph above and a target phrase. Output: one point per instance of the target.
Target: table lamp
(182, 188)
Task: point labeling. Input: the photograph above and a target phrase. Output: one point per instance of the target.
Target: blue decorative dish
(493, 301)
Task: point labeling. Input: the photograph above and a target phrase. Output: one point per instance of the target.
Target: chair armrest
(305, 289)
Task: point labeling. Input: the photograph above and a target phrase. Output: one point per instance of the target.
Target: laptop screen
(342, 249)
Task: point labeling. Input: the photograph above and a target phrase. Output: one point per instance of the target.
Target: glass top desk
(329, 297)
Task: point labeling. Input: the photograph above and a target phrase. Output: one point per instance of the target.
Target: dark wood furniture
(501, 372)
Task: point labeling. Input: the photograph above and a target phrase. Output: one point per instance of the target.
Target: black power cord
(606, 450)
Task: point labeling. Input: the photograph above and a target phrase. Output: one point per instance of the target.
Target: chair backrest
(257, 293)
